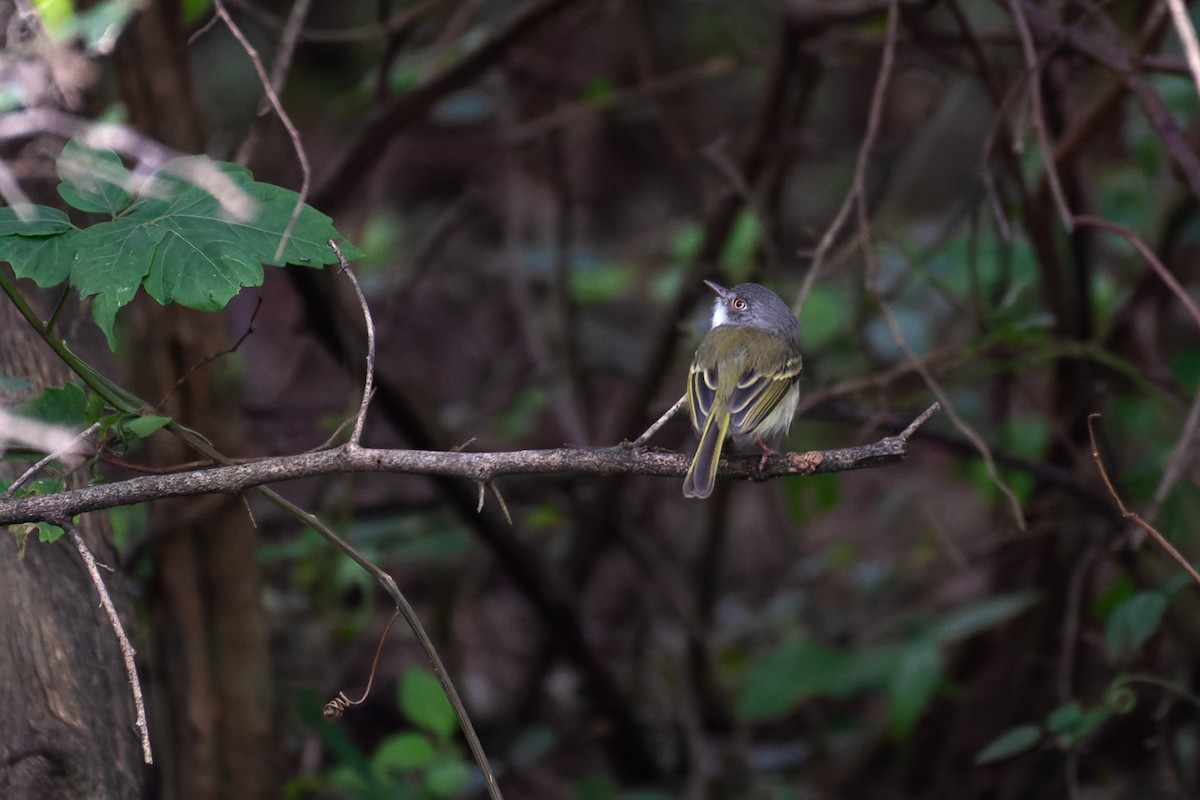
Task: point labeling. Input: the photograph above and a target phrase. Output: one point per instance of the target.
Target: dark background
(539, 189)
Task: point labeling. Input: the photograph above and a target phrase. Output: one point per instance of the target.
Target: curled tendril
(1120, 697)
(338, 705)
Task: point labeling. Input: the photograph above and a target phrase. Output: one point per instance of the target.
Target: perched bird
(744, 381)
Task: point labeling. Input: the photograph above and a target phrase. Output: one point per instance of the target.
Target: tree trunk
(66, 712)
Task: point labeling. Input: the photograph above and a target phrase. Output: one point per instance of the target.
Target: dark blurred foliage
(540, 187)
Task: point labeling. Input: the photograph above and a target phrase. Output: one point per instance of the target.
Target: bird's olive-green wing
(755, 396)
(701, 389)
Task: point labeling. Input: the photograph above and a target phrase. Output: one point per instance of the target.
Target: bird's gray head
(753, 305)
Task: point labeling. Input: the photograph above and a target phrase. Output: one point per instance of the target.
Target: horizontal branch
(478, 467)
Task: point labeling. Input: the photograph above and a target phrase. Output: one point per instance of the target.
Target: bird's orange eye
(738, 304)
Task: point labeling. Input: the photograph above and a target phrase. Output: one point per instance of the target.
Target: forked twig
(1130, 516)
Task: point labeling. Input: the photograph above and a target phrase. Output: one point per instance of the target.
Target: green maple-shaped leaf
(195, 232)
(93, 180)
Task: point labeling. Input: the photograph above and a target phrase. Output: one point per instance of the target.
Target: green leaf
(55, 15)
(141, 427)
(46, 260)
(404, 751)
(422, 700)
(776, 683)
(687, 242)
(66, 405)
(600, 89)
(42, 486)
(32, 240)
(825, 316)
(111, 264)
(1071, 723)
(447, 778)
(33, 220)
(177, 240)
(93, 180)
(1132, 622)
(194, 10)
(519, 418)
(912, 687)
(1010, 743)
(600, 284)
(597, 787)
(48, 533)
(101, 24)
(981, 616)
(737, 258)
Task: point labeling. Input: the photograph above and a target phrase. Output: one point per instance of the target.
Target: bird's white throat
(720, 315)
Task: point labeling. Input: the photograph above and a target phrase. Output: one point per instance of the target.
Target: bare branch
(1130, 516)
(368, 381)
(477, 467)
(127, 652)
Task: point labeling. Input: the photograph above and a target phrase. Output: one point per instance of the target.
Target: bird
(744, 380)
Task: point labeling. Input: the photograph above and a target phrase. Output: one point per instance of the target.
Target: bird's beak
(718, 288)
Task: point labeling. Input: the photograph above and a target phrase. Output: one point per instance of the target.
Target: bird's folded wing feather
(755, 397)
(702, 388)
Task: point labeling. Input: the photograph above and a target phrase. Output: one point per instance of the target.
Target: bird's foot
(767, 452)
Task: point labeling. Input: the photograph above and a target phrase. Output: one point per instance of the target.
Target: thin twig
(1180, 457)
(500, 499)
(398, 23)
(369, 378)
(1182, 453)
(907, 433)
(127, 652)
(858, 195)
(653, 429)
(1130, 516)
(563, 403)
(284, 50)
(338, 705)
(1144, 250)
(293, 134)
(405, 609)
(651, 88)
(1033, 67)
(233, 348)
(286, 47)
(67, 449)
(365, 147)
(1117, 57)
(874, 121)
(1187, 35)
